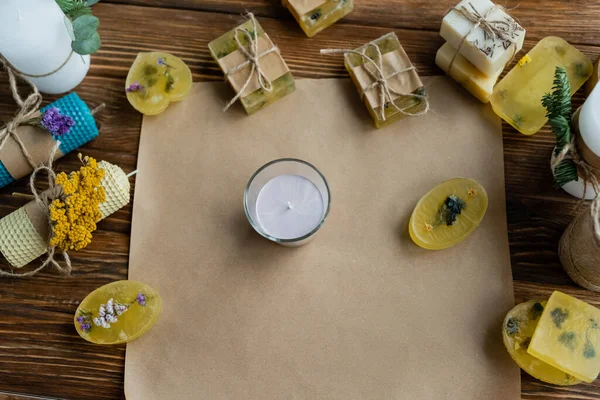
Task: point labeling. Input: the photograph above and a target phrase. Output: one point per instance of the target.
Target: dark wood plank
(40, 353)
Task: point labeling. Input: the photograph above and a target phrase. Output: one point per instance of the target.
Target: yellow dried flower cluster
(75, 213)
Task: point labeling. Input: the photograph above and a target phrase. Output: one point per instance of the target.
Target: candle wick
(289, 206)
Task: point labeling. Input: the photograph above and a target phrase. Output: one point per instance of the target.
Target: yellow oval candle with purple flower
(117, 313)
(155, 80)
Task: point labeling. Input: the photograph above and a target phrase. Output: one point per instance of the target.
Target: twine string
(381, 81)
(252, 58)
(38, 75)
(496, 29)
(27, 108)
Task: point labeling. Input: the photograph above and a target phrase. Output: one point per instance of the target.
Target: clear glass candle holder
(287, 201)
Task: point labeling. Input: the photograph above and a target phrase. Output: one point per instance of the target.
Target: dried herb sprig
(82, 25)
(558, 111)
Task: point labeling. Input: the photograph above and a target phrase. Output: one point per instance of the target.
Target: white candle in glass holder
(35, 40)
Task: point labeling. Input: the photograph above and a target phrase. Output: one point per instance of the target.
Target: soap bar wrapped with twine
(26, 140)
(483, 33)
(386, 80)
(63, 217)
(252, 65)
(579, 248)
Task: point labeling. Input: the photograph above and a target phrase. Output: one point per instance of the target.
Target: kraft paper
(405, 82)
(358, 313)
(38, 143)
(272, 65)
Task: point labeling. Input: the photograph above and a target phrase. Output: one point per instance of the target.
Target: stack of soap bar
(225, 50)
(472, 56)
(393, 59)
(315, 15)
(568, 337)
(517, 98)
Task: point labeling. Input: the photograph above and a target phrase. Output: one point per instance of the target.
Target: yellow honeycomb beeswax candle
(517, 330)
(232, 51)
(315, 15)
(462, 71)
(568, 337)
(407, 95)
(517, 98)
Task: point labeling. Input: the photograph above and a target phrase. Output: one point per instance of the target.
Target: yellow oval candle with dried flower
(517, 331)
(118, 312)
(155, 80)
(448, 213)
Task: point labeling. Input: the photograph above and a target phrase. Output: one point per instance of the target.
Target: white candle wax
(589, 129)
(289, 207)
(35, 40)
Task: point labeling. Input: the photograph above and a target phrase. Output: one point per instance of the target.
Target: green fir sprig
(82, 25)
(558, 111)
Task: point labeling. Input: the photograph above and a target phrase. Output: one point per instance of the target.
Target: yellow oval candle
(155, 80)
(118, 312)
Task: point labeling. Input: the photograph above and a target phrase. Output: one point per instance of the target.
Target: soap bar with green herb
(517, 98)
(393, 60)
(315, 15)
(568, 337)
(226, 51)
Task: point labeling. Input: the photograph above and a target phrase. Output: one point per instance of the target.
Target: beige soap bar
(488, 54)
(465, 73)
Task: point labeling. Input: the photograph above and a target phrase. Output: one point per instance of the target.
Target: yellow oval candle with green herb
(118, 312)
(155, 80)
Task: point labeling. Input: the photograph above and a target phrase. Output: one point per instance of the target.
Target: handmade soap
(568, 337)
(403, 92)
(517, 98)
(478, 84)
(155, 80)
(315, 15)
(448, 213)
(491, 45)
(243, 75)
(118, 312)
(517, 330)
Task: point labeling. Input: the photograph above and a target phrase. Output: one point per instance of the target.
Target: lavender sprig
(54, 122)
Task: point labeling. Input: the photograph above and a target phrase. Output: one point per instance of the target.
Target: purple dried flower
(161, 61)
(80, 319)
(86, 327)
(134, 87)
(141, 299)
(55, 122)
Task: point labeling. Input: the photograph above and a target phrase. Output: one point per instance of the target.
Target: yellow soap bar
(462, 71)
(517, 98)
(568, 337)
(315, 15)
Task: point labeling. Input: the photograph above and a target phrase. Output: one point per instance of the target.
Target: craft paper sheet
(360, 313)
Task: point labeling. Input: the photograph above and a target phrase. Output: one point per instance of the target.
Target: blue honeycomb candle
(39, 142)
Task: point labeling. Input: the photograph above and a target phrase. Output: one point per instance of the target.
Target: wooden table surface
(41, 355)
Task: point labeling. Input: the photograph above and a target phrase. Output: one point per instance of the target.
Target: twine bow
(590, 177)
(381, 81)
(495, 29)
(252, 58)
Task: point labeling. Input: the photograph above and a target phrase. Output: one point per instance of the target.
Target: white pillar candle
(35, 40)
(588, 122)
(289, 207)
(287, 201)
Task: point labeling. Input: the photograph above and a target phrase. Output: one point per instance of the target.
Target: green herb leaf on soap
(512, 326)
(568, 339)
(588, 350)
(559, 316)
(536, 310)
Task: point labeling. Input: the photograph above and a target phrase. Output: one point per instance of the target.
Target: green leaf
(85, 27)
(75, 14)
(91, 2)
(74, 8)
(87, 46)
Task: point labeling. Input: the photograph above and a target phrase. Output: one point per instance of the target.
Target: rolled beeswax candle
(487, 52)
(476, 82)
(24, 233)
(517, 98)
(315, 15)
(568, 337)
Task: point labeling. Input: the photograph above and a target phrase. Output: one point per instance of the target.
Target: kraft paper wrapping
(305, 6)
(360, 312)
(272, 65)
(406, 82)
(24, 233)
